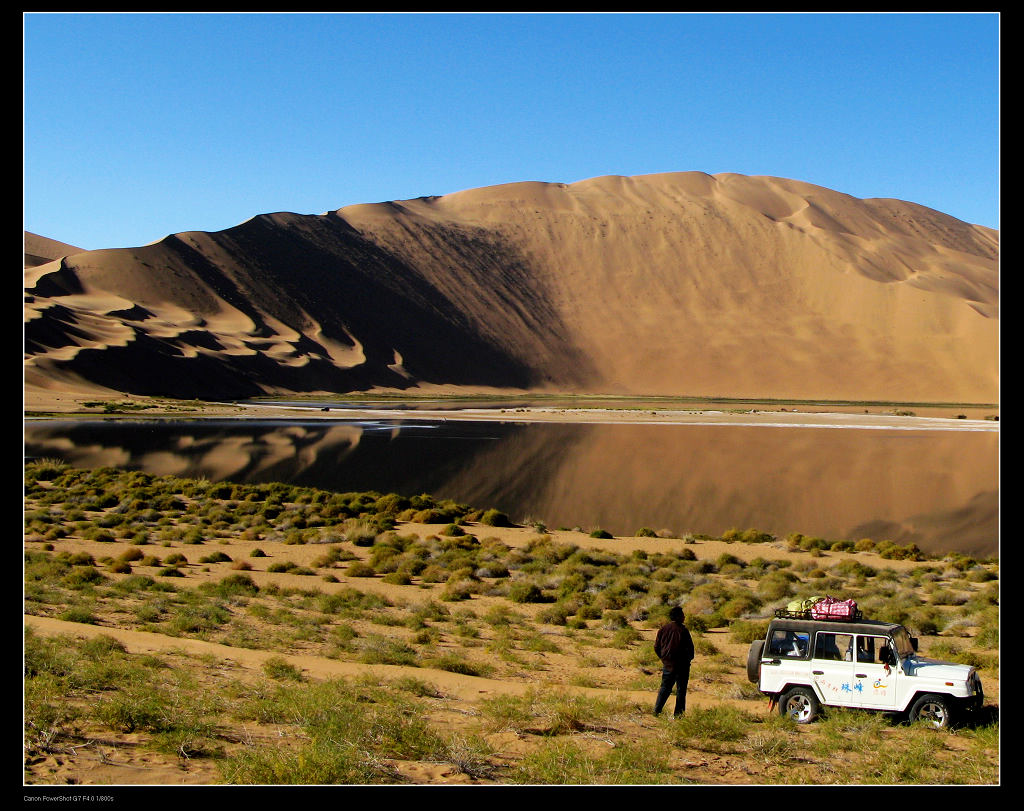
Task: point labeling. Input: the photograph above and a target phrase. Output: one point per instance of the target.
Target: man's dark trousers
(678, 677)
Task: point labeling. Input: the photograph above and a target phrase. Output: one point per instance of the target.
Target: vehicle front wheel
(932, 709)
(800, 704)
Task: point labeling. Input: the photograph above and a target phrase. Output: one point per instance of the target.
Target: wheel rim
(798, 707)
(933, 712)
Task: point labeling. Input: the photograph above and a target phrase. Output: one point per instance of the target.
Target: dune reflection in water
(938, 489)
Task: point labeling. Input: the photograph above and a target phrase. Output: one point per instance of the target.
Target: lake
(938, 489)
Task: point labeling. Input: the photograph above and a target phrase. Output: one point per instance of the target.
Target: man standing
(674, 646)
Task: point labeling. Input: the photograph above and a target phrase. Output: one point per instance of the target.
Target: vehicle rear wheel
(754, 660)
(800, 704)
(933, 709)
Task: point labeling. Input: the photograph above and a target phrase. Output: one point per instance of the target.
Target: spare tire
(754, 660)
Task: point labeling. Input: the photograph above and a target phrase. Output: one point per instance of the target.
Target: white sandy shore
(772, 419)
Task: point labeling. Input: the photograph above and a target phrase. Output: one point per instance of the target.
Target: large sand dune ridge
(673, 284)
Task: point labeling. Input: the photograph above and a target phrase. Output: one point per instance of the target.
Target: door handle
(818, 672)
(861, 675)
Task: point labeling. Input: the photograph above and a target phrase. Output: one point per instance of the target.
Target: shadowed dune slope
(681, 283)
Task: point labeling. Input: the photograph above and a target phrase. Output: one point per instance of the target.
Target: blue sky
(141, 125)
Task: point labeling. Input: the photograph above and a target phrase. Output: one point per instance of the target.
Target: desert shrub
(384, 559)
(555, 614)
(928, 620)
(78, 614)
(891, 551)
(435, 515)
(46, 469)
(434, 574)
(601, 533)
(215, 557)
(776, 584)
(495, 518)
(130, 555)
(613, 621)
(979, 574)
(626, 636)
(191, 619)
(457, 664)
(988, 633)
(747, 536)
(380, 650)
(710, 726)
(361, 533)
(747, 631)
(853, 568)
(524, 591)
(279, 668)
(193, 537)
(136, 707)
(457, 588)
(233, 584)
(82, 577)
(334, 554)
(492, 570)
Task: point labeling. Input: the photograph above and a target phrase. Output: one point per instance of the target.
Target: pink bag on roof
(832, 609)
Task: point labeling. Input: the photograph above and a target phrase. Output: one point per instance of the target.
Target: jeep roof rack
(783, 613)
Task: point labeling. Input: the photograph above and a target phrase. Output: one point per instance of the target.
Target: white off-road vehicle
(807, 664)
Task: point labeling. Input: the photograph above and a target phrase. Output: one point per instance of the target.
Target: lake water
(938, 489)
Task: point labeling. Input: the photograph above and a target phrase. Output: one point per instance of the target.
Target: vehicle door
(785, 658)
(875, 672)
(832, 669)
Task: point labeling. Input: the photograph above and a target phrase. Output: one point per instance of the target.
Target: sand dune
(39, 250)
(681, 283)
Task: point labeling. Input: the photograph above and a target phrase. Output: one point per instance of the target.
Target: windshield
(901, 639)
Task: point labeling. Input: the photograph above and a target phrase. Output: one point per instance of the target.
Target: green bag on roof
(799, 606)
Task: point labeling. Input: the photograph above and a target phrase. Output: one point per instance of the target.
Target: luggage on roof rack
(820, 608)
(785, 613)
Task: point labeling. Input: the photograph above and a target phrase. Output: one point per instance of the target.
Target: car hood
(934, 669)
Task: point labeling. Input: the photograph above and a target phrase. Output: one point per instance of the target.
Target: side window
(871, 649)
(836, 647)
(789, 643)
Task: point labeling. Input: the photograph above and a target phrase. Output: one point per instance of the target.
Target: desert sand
(673, 284)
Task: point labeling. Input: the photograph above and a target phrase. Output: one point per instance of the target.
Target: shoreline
(139, 409)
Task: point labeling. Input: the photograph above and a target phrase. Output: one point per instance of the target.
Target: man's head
(676, 613)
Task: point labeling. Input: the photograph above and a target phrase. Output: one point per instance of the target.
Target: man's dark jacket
(674, 645)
